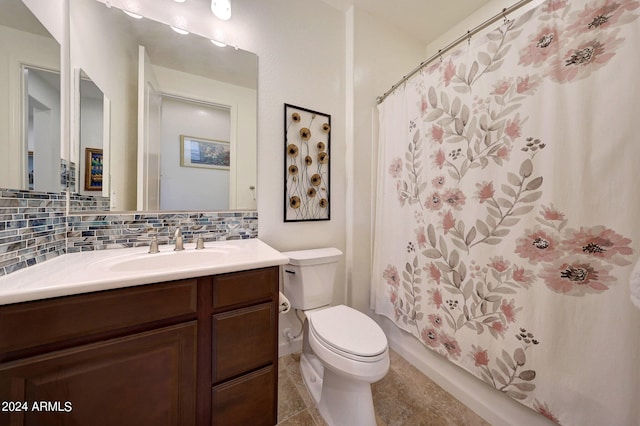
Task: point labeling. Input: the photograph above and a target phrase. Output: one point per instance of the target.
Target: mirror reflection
(204, 159)
(42, 129)
(163, 87)
(30, 114)
(93, 119)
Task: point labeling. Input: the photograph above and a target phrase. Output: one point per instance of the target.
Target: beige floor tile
(290, 401)
(392, 400)
(404, 397)
(303, 418)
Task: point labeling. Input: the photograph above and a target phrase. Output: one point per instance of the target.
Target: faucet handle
(153, 247)
(200, 243)
(179, 243)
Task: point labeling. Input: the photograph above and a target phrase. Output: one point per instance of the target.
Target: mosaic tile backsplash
(34, 227)
(99, 232)
(86, 203)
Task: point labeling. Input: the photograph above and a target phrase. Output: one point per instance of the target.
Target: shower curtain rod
(503, 14)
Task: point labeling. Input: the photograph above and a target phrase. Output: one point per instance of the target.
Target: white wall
(51, 14)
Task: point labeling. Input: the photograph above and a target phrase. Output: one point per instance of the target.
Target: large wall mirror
(30, 111)
(179, 114)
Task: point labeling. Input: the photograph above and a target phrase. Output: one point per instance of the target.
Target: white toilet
(343, 350)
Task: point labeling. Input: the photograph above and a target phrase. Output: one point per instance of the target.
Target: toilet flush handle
(290, 272)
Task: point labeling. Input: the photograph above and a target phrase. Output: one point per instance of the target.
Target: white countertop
(116, 268)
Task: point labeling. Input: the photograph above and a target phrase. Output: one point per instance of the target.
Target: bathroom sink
(98, 270)
(170, 260)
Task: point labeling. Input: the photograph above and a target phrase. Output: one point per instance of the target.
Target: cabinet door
(243, 340)
(247, 400)
(143, 379)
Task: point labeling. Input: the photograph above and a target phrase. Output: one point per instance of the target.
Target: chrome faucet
(179, 240)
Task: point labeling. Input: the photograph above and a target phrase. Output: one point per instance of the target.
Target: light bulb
(221, 8)
(179, 30)
(133, 15)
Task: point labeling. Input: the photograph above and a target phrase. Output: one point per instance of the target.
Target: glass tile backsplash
(34, 228)
(98, 232)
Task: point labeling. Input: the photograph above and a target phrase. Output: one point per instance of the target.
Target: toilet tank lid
(313, 256)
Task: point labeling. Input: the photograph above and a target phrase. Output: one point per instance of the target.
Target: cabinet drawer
(243, 340)
(243, 288)
(247, 400)
(38, 323)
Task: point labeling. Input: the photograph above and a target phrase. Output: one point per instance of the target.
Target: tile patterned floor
(404, 397)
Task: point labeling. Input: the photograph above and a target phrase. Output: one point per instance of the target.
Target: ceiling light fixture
(133, 15)
(179, 30)
(221, 8)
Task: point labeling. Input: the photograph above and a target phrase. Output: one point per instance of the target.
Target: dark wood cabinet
(45, 325)
(189, 352)
(242, 340)
(239, 316)
(142, 379)
(230, 399)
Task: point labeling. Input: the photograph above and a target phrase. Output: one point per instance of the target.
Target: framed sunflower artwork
(307, 142)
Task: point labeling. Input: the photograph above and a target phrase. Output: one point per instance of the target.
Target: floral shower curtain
(508, 212)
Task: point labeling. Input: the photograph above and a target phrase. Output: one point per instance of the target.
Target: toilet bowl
(346, 351)
(343, 350)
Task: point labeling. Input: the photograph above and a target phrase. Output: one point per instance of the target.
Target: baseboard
(286, 347)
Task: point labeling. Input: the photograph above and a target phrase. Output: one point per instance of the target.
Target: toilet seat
(349, 333)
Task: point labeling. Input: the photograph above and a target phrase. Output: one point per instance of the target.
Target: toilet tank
(309, 276)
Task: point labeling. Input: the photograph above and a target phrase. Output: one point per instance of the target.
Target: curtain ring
(469, 37)
(440, 53)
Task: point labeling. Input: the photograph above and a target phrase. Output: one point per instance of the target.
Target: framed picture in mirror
(307, 144)
(204, 153)
(93, 169)
(30, 169)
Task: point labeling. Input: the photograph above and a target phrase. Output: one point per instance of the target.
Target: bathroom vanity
(195, 350)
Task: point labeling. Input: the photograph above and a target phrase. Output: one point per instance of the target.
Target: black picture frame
(307, 165)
